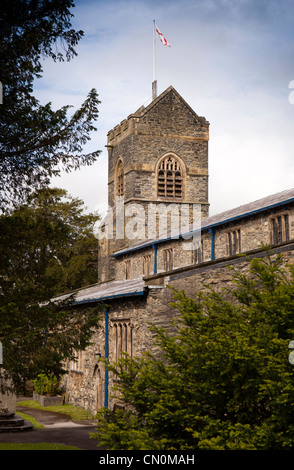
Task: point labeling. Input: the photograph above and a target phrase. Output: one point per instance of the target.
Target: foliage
(37, 142)
(32, 420)
(46, 385)
(39, 244)
(222, 380)
(47, 246)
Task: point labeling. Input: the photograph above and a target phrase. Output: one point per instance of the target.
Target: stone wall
(128, 332)
(254, 231)
(167, 126)
(130, 320)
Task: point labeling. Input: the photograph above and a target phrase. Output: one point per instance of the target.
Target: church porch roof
(106, 291)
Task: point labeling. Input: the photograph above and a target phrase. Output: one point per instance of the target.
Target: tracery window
(169, 178)
(122, 338)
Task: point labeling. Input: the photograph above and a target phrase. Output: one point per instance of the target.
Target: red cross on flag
(162, 38)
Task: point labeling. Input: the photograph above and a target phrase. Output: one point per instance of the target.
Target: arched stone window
(170, 178)
(119, 173)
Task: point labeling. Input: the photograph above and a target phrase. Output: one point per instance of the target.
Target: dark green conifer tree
(48, 247)
(37, 142)
(222, 381)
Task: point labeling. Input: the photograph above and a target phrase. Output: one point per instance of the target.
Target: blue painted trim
(207, 227)
(106, 353)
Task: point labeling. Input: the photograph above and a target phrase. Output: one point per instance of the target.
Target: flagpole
(154, 83)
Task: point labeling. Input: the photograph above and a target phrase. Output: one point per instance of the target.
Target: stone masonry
(159, 155)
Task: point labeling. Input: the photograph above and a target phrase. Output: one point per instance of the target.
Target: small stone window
(169, 178)
(197, 253)
(127, 267)
(77, 362)
(120, 178)
(279, 229)
(234, 242)
(168, 259)
(147, 265)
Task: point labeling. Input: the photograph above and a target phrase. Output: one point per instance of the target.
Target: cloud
(231, 60)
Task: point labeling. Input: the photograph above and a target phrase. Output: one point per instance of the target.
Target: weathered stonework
(48, 400)
(135, 275)
(168, 126)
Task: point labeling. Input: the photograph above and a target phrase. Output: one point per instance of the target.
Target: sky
(231, 60)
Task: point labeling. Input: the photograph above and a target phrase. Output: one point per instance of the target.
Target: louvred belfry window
(169, 179)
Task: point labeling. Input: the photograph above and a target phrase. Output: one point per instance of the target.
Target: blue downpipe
(106, 312)
(212, 233)
(155, 258)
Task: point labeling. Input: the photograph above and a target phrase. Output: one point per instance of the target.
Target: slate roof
(250, 209)
(107, 290)
(133, 287)
(246, 210)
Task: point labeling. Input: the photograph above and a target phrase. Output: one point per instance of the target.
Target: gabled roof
(142, 111)
(232, 215)
(133, 121)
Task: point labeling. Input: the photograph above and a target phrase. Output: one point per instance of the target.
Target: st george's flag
(162, 38)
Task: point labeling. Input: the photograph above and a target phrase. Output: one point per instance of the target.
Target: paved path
(58, 428)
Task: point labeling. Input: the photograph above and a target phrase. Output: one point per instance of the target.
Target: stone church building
(158, 233)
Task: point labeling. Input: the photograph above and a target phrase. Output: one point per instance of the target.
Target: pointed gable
(171, 94)
(169, 114)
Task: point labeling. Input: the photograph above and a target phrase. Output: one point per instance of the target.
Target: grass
(73, 411)
(34, 422)
(42, 446)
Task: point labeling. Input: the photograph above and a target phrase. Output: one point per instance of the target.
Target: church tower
(157, 157)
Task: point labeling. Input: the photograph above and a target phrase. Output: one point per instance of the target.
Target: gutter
(109, 297)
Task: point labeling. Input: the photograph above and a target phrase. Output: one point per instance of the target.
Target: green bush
(220, 379)
(46, 385)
